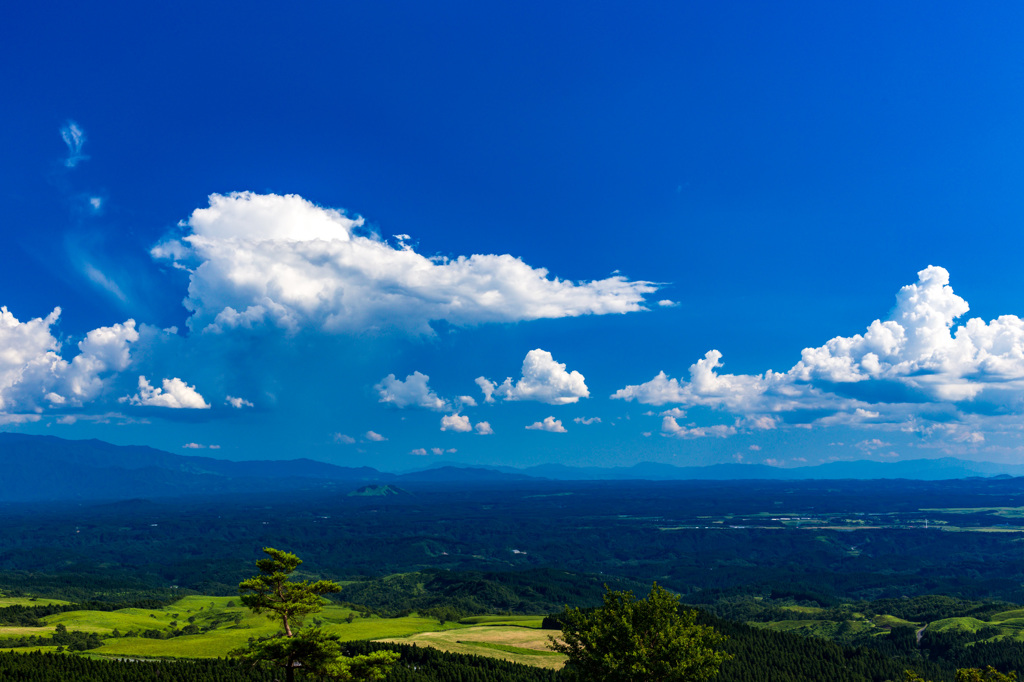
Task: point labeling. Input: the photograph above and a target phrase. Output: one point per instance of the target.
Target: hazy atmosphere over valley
(593, 234)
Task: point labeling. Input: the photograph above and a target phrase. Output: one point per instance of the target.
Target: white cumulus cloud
(414, 391)
(484, 428)
(34, 374)
(374, 436)
(543, 380)
(456, 422)
(281, 260)
(549, 424)
(175, 394)
(670, 427)
(915, 362)
(237, 403)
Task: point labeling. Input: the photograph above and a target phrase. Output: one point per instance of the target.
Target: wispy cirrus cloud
(74, 138)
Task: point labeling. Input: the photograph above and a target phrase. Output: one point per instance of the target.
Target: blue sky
(590, 233)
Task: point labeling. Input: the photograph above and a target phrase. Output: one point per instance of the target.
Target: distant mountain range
(40, 468)
(918, 469)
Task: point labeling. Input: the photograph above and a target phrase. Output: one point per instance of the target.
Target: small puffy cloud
(193, 446)
(343, 439)
(670, 427)
(175, 394)
(456, 422)
(237, 403)
(666, 303)
(74, 138)
(257, 260)
(587, 421)
(423, 452)
(484, 428)
(34, 374)
(543, 380)
(374, 436)
(755, 448)
(413, 392)
(487, 387)
(549, 424)
(706, 387)
(466, 401)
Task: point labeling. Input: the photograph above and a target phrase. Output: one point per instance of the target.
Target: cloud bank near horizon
(911, 368)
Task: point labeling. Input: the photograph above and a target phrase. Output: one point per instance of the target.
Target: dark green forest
(744, 553)
(840, 541)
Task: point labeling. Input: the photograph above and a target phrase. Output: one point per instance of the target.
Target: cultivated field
(512, 643)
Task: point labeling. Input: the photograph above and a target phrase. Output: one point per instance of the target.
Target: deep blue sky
(777, 173)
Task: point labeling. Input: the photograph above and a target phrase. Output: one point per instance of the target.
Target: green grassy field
(28, 601)
(225, 625)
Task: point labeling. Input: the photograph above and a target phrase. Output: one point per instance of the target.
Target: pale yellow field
(525, 645)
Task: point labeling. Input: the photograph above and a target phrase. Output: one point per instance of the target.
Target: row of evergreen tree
(417, 664)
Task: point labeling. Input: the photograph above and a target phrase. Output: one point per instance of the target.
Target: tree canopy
(631, 640)
(309, 649)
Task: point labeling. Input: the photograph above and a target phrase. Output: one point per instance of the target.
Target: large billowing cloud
(283, 261)
(33, 373)
(912, 363)
(543, 380)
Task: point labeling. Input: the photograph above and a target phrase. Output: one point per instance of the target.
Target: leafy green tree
(309, 649)
(631, 640)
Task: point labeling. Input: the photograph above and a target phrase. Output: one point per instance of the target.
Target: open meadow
(210, 627)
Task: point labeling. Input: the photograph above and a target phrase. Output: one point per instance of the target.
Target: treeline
(62, 638)
(50, 667)
(777, 605)
(765, 655)
(32, 615)
(455, 594)
(416, 665)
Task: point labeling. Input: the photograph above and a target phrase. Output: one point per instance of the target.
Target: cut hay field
(511, 643)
